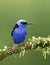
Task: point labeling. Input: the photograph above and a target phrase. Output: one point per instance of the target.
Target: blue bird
(19, 32)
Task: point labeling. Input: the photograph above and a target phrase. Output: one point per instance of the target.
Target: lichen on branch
(41, 44)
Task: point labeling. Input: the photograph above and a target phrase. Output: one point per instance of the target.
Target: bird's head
(22, 23)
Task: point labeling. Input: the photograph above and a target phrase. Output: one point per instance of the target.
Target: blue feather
(19, 32)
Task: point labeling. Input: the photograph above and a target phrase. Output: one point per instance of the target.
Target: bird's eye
(23, 22)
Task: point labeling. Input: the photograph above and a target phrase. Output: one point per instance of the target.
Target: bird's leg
(14, 47)
(25, 45)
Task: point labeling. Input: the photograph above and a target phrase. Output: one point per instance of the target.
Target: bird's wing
(12, 33)
(16, 26)
(26, 33)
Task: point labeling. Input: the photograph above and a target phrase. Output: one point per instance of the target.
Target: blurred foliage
(37, 43)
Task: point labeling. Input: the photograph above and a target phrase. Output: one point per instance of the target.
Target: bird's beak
(28, 23)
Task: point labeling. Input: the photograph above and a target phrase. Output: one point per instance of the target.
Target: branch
(37, 43)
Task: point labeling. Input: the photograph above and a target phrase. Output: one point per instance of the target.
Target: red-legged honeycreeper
(19, 32)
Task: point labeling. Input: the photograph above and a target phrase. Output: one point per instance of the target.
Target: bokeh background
(35, 11)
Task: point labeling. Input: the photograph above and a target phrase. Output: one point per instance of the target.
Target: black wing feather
(16, 26)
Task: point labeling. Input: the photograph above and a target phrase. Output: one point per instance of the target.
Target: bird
(19, 33)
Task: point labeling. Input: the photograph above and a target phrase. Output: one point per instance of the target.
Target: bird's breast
(20, 31)
(19, 35)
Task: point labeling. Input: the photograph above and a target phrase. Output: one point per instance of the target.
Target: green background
(35, 11)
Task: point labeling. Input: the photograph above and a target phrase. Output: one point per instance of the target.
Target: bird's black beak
(29, 23)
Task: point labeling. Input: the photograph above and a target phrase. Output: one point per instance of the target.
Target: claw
(14, 47)
(25, 45)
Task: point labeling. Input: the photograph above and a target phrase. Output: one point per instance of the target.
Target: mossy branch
(37, 43)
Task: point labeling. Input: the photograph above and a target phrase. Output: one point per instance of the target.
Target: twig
(37, 43)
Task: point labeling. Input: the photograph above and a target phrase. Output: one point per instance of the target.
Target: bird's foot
(25, 45)
(14, 47)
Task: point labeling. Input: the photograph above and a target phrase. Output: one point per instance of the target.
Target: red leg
(25, 45)
(14, 47)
